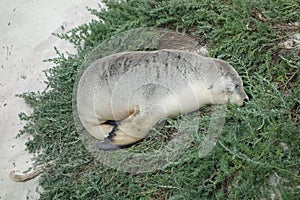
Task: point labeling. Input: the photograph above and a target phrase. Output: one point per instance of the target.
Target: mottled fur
(120, 97)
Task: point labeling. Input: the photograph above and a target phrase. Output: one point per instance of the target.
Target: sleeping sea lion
(120, 97)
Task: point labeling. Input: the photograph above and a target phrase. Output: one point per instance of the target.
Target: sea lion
(120, 97)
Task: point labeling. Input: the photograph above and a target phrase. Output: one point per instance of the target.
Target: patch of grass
(258, 140)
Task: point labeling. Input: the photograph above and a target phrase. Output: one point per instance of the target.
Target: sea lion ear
(229, 88)
(107, 145)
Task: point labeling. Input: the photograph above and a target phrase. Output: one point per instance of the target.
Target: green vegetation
(259, 140)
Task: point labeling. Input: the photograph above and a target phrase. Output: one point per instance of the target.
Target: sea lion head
(226, 85)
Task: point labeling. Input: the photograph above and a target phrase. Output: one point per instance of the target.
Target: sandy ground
(25, 41)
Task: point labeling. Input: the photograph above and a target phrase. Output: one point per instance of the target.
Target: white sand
(26, 40)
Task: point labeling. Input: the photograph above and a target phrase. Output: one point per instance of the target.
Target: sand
(25, 41)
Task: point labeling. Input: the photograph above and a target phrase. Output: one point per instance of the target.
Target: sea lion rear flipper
(107, 145)
(118, 139)
(129, 131)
